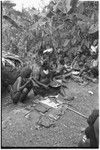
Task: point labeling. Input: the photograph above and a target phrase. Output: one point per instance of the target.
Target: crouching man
(22, 86)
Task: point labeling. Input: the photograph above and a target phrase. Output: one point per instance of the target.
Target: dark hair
(25, 73)
(45, 65)
(62, 61)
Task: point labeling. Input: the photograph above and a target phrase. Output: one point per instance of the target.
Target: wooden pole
(77, 112)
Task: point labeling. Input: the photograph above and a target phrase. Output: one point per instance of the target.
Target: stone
(46, 122)
(56, 113)
(41, 108)
(70, 98)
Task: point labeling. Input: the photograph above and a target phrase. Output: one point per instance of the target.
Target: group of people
(26, 82)
(48, 69)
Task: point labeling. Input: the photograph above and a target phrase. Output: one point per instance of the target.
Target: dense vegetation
(64, 25)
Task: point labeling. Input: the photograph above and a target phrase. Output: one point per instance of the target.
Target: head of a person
(26, 72)
(45, 65)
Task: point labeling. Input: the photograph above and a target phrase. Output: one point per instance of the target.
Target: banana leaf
(11, 21)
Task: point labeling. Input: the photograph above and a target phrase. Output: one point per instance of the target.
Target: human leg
(15, 97)
(23, 94)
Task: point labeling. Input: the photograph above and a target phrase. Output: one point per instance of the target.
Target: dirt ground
(20, 123)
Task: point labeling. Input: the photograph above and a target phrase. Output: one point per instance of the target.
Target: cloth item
(91, 135)
(92, 118)
(46, 71)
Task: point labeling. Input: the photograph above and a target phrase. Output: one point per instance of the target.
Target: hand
(84, 143)
(46, 86)
(18, 90)
(30, 78)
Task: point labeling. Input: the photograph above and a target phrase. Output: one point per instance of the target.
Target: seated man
(22, 86)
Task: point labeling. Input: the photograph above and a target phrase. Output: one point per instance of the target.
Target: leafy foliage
(64, 24)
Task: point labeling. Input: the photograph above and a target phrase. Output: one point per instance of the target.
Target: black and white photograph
(49, 74)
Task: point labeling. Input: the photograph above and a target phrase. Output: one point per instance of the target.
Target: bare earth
(20, 123)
